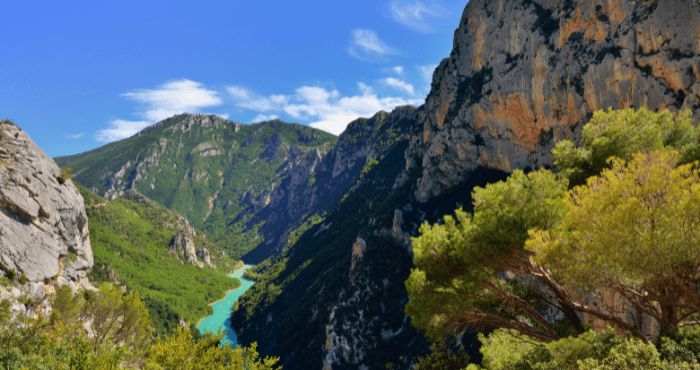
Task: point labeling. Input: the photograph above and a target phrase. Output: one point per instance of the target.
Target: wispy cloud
(264, 117)
(120, 129)
(367, 46)
(414, 14)
(245, 98)
(399, 85)
(326, 109)
(74, 136)
(174, 98)
(158, 104)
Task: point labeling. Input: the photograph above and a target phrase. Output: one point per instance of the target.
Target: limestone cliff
(43, 227)
(523, 74)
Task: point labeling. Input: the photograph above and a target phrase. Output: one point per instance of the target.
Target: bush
(23, 279)
(11, 274)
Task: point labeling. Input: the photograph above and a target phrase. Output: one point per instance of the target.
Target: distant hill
(132, 242)
(217, 173)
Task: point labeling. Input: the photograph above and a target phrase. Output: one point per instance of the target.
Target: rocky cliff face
(43, 226)
(526, 74)
(523, 75)
(320, 179)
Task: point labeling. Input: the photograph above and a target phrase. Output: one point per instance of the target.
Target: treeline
(107, 330)
(611, 240)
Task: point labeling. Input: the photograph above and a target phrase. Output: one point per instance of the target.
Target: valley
(460, 221)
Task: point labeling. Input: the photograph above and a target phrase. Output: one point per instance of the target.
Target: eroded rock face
(526, 74)
(43, 225)
(183, 243)
(205, 256)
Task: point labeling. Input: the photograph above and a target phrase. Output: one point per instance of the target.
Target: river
(222, 310)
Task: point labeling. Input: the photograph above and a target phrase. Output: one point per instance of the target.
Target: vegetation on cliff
(215, 172)
(130, 242)
(537, 260)
(119, 338)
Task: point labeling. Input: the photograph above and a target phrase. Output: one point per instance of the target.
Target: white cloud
(324, 109)
(167, 100)
(413, 14)
(245, 98)
(75, 136)
(399, 85)
(398, 70)
(120, 129)
(174, 98)
(263, 118)
(367, 46)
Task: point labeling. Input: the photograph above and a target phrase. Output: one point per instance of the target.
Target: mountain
(523, 74)
(217, 173)
(145, 247)
(44, 238)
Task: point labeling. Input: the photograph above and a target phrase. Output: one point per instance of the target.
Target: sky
(76, 75)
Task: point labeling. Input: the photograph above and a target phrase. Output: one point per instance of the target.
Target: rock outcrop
(526, 74)
(44, 235)
(183, 243)
(205, 256)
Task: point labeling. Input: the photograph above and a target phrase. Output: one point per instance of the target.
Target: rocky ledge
(44, 239)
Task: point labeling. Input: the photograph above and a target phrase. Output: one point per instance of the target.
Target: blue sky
(77, 75)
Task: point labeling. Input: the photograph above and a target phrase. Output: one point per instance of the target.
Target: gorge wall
(43, 227)
(523, 74)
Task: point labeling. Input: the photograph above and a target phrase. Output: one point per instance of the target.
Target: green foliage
(440, 357)
(504, 350)
(121, 340)
(632, 230)
(23, 279)
(132, 240)
(458, 262)
(66, 174)
(622, 133)
(11, 274)
(62, 343)
(182, 351)
(371, 162)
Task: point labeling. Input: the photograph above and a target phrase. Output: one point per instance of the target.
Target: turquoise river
(222, 310)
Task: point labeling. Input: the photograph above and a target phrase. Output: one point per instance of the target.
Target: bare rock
(43, 225)
(183, 243)
(206, 257)
(526, 74)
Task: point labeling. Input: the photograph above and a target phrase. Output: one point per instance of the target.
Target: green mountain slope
(131, 240)
(217, 173)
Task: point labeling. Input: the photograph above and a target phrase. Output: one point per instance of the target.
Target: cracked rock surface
(43, 225)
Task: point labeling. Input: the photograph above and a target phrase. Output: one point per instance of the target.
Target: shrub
(11, 274)
(23, 279)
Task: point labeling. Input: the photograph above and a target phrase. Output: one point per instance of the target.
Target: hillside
(522, 75)
(217, 173)
(132, 242)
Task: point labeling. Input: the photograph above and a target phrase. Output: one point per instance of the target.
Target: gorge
(324, 223)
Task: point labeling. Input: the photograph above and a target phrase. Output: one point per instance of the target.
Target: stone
(42, 215)
(206, 257)
(183, 243)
